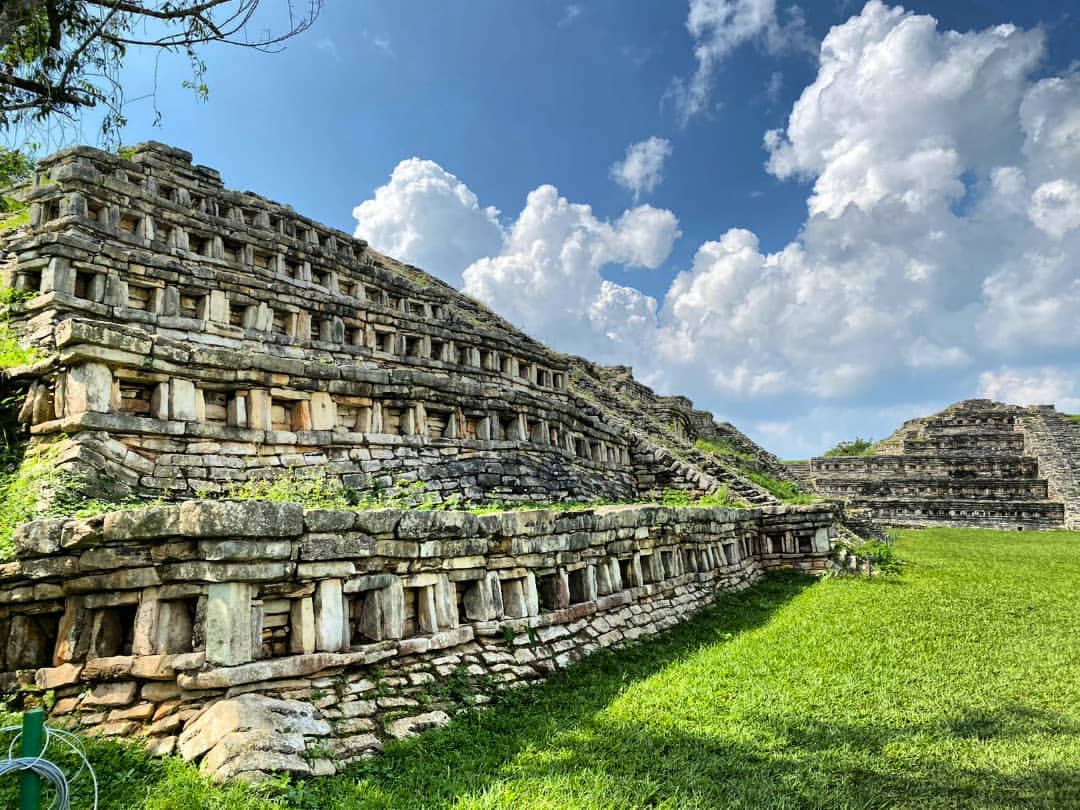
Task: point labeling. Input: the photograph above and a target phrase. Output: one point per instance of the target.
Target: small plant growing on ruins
(318, 750)
(721, 497)
(786, 491)
(314, 490)
(509, 634)
(341, 685)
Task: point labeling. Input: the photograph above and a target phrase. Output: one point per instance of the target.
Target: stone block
(259, 416)
(121, 693)
(323, 411)
(240, 519)
(153, 522)
(302, 637)
(383, 613)
(87, 388)
(182, 400)
(331, 618)
(228, 623)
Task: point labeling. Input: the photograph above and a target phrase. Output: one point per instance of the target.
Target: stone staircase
(978, 463)
(1055, 439)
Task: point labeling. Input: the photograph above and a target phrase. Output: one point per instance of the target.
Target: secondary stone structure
(977, 463)
(258, 637)
(193, 336)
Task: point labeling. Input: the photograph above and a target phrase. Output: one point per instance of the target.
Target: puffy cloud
(718, 27)
(427, 217)
(899, 111)
(547, 278)
(1040, 386)
(643, 167)
(1055, 207)
(941, 240)
(942, 227)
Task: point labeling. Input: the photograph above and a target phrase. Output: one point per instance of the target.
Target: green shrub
(681, 497)
(857, 447)
(720, 447)
(13, 353)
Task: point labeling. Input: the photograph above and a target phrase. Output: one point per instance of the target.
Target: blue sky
(906, 240)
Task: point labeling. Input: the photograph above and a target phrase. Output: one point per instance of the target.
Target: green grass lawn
(955, 684)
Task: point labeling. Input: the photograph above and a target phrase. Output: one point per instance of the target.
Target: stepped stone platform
(192, 337)
(258, 637)
(977, 463)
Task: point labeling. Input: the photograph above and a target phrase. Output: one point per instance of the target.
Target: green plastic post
(33, 736)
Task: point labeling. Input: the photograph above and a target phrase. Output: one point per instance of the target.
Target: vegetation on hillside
(856, 447)
(723, 448)
(957, 686)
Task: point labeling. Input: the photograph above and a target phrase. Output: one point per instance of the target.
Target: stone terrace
(259, 637)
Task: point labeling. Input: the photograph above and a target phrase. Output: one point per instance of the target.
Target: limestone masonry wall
(978, 463)
(259, 637)
(194, 336)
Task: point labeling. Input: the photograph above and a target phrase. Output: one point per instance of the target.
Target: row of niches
(243, 210)
(329, 615)
(92, 387)
(146, 302)
(207, 244)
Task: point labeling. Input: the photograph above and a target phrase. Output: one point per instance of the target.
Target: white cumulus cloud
(1040, 386)
(547, 278)
(642, 169)
(426, 216)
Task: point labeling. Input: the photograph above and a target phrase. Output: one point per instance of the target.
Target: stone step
(999, 514)
(979, 488)
(947, 467)
(965, 444)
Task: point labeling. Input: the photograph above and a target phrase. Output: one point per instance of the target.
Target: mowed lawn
(955, 684)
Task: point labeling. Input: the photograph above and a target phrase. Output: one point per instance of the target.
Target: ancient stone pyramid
(977, 463)
(192, 337)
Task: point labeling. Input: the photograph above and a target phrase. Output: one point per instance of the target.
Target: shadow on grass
(437, 767)
(787, 765)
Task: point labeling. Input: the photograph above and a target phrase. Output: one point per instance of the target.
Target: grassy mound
(955, 684)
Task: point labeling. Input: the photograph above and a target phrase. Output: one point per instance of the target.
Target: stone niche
(205, 626)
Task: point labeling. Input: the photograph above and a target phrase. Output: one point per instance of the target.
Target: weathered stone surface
(240, 519)
(252, 736)
(411, 726)
(140, 524)
(112, 694)
(228, 623)
(973, 464)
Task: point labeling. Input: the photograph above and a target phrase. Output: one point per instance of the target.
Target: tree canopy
(60, 57)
